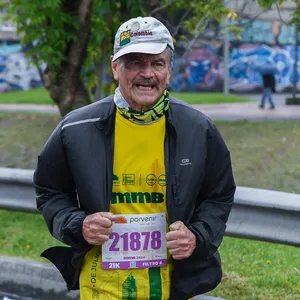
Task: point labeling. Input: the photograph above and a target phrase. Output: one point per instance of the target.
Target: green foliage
(296, 16)
(200, 11)
(265, 3)
(46, 28)
(269, 3)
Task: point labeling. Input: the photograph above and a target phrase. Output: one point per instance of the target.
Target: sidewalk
(248, 111)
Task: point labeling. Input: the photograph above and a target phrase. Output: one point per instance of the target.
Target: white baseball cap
(142, 35)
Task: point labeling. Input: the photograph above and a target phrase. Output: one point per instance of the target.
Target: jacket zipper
(109, 167)
(170, 167)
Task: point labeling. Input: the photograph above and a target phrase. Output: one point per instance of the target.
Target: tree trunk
(69, 100)
(65, 85)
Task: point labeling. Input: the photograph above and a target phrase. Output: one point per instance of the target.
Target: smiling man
(139, 184)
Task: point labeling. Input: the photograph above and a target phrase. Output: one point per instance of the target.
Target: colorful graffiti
(198, 70)
(202, 69)
(16, 71)
(245, 60)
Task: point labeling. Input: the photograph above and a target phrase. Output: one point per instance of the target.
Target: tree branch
(160, 8)
(203, 23)
(279, 13)
(180, 22)
(45, 78)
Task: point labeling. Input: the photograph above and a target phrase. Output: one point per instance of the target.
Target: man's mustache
(146, 81)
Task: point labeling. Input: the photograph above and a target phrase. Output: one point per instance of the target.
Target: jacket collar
(108, 112)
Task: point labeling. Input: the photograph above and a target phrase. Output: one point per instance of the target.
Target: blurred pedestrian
(269, 84)
(267, 71)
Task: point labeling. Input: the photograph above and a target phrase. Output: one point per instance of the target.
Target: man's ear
(114, 68)
(168, 77)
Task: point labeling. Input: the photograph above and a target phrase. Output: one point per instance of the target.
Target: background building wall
(265, 36)
(202, 69)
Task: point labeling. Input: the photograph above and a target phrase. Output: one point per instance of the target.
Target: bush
(292, 101)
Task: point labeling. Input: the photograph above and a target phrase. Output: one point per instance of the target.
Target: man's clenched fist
(96, 228)
(181, 242)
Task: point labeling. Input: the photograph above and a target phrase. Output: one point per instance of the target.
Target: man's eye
(135, 63)
(158, 65)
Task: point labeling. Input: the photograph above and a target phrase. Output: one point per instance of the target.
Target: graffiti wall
(261, 41)
(16, 72)
(199, 69)
(245, 71)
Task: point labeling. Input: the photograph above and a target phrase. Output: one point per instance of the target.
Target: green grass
(264, 155)
(24, 234)
(208, 98)
(22, 136)
(258, 270)
(41, 96)
(33, 96)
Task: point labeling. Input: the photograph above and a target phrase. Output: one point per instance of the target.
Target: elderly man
(139, 184)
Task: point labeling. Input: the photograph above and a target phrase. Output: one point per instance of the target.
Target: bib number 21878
(136, 241)
(138, 244)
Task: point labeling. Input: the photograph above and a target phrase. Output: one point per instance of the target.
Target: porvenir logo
(121, 220)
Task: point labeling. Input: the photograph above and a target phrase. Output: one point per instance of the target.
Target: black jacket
(73, 178)
(269, 81)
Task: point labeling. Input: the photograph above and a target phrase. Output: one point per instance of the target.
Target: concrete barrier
(257, 214)
(265, 215)
(32, 279)
(17, 190)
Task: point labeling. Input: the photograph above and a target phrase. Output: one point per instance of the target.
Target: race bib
(136, 241)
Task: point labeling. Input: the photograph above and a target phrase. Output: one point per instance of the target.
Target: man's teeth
(145, 87)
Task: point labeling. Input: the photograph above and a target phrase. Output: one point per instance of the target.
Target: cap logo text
(141, 33)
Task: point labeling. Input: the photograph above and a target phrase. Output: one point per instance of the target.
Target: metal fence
(257, 214)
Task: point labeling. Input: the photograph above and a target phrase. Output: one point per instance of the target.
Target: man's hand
(96, 228)
(181, 242)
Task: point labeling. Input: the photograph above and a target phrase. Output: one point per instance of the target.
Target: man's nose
(147, 69)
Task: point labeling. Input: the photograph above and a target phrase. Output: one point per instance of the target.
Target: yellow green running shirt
(138, 167)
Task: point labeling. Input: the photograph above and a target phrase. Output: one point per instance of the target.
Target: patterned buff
(149, 116)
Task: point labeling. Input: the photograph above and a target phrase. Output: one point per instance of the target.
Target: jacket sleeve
(56, 195)
(215, 198)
